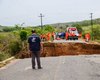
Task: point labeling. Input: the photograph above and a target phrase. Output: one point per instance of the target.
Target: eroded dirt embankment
(59, 49)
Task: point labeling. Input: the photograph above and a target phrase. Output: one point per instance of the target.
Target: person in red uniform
(87, 37)
(53, 35)
(66, 35)
(49, 36)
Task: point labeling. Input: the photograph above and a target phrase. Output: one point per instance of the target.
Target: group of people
(48, 36)
(36, 47)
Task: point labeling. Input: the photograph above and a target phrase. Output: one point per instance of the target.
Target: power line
(41, 16)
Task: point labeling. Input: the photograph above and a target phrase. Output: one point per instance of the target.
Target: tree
(23, 37)
(17, 27)
(8, 29)
(49, 28)
(96, 32)
(79, 28)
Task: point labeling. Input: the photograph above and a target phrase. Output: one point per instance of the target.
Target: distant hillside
(68, 24)
(81, 23)
(62, 24)
(1, 27)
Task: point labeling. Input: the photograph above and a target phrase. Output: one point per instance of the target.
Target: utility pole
(41, 20)
(91, 26)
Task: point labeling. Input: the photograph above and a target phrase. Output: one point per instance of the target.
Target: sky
(54, 11)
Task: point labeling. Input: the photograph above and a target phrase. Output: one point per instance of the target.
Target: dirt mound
(59, 49)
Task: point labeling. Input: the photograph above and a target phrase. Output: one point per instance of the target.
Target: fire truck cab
(72, 33)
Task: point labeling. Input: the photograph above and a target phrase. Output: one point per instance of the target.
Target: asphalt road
(54, 68)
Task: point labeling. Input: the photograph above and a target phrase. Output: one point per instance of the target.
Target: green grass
(4, 56)
(4, 33)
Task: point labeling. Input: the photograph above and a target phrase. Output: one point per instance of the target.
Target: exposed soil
(59, 49)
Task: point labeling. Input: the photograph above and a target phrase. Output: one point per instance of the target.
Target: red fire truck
(72, 33)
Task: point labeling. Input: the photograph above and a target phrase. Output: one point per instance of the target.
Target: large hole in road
(65, 48)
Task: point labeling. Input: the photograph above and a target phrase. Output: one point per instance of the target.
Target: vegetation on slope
(13, 40)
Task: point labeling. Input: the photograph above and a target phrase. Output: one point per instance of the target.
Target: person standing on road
(35, 48)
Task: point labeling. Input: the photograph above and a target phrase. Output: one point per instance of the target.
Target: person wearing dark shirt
(35, 49)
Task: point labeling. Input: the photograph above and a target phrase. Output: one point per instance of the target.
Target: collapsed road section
(62, 48)
(70, 48)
